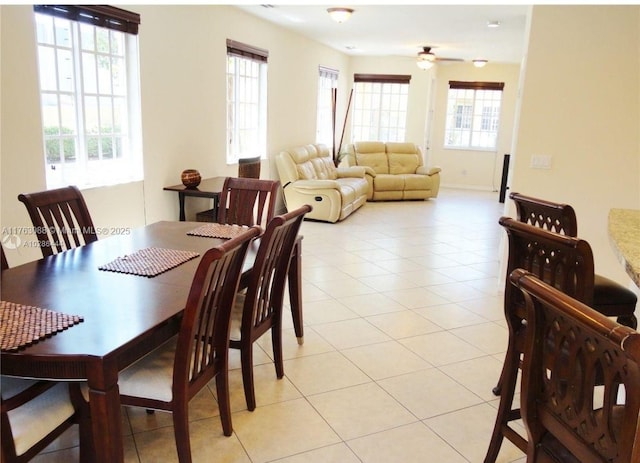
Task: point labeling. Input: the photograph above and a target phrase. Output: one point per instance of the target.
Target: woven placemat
(218, 230)
(23, 325)
(149, 262)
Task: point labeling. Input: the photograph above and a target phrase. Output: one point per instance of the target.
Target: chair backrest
(556, 217)
(3, 259)
(60, 218)
(564, 262)
(204, 330)
(569, 349)
(247, 201)
(265, 290)
(249, 167)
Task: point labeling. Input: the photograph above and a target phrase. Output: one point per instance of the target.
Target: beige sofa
(309, 176)
(394, 171)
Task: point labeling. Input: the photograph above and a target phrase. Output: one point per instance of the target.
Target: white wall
(182, 68)
(474, 169)
(581, 105)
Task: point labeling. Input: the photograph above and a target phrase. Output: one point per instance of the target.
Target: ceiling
(453, 31)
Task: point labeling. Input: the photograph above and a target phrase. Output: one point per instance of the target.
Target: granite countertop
(624, 232)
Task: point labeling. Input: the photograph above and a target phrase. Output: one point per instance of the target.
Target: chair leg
(276, 343)
(246, 357)
(507, 384)
(181, 432)
(295, 290)
(224, 403)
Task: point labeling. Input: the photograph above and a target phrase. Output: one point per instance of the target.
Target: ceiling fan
(426, 58)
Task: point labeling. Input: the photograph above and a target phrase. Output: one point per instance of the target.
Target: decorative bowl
(190, 178)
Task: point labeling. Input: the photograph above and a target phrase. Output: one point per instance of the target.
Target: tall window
(473, 115)
(327, 82)
(89, 94)
(246, 101)
(380, 107)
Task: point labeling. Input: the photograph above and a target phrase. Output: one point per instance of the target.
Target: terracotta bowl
(190, 178)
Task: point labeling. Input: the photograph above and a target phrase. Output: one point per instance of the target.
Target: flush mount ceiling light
(493, 24)
(479, 63)
(340, 14)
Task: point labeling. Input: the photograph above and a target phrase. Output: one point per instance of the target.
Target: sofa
(308, 175)
(394, 171)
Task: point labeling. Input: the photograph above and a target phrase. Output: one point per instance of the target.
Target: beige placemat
(23, 325)
(218, 230)
(149, 262)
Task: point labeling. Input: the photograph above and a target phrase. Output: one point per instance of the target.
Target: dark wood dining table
(125, 316)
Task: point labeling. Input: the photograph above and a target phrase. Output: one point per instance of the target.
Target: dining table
(122, 316)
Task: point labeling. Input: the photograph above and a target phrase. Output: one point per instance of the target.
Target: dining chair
(60, 218)
(259, 309)
(609, 298)
(562, 261)
(242, 199)
(247, 201)
(249, 167)
(576, 363)
(171, 375)
(35, 413)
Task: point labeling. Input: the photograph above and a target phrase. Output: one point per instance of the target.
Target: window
(473, 115)
(246, 101)
(327, 83)
(89, 94)
(380, 107)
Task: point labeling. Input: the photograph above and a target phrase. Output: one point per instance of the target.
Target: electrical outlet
(541, 161)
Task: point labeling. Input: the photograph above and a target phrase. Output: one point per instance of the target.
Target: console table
(208, 188)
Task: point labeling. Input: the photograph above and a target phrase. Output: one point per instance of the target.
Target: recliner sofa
(309, 176)
(394, 171)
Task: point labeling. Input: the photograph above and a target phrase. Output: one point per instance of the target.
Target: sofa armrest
(424, 170)
(369, 171)
(314, 185)
(353, 171)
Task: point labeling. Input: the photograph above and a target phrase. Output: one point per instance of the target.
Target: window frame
(465, 119)
(384, 87)
(325, 111)
(257, 58)
(93, 122)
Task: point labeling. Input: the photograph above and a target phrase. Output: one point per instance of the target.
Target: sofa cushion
(377, 161)
(331, 168)
(402, 163)
(401, 147)
(388, 183)
(416, 182)
(306, 171)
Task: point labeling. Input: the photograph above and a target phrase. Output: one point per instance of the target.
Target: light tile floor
(404, 339)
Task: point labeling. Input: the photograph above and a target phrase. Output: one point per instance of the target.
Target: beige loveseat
(309, 176)
(394, 171)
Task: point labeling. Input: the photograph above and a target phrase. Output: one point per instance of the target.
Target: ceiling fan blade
(459, 60)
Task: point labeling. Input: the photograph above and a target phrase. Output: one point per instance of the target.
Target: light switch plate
(541, 161)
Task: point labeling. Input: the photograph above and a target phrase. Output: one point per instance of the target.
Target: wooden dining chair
(566, 263)
(35, 413)
(60, 218)
(259, 309)
(247, 201)
(576, 363)
(249, 167)
(170, 376)
(609, 298)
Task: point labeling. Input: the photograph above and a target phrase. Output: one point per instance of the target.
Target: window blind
(106, 16)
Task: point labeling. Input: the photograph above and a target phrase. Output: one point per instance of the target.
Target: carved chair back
(60, 218)
(555, 217)
(576, 362)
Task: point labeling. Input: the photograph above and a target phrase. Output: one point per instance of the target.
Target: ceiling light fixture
(480, 63)
(426, 59)
(340, 14)
(493, 23)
